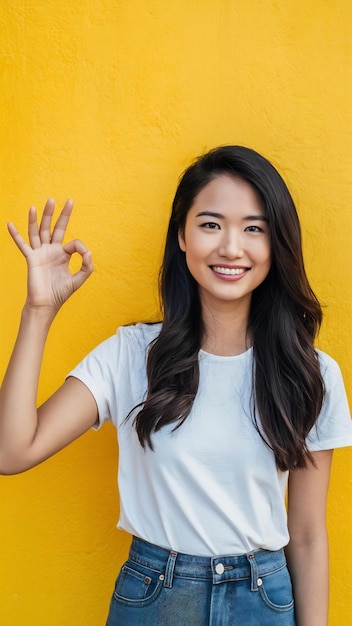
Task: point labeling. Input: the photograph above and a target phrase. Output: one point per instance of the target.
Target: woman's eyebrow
(251, 218)
(210, 214)
(248, 218)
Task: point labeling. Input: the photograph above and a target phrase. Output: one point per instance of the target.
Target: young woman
(217, 407)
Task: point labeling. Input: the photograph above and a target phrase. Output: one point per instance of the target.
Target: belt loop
(254, 572)
(169, 572)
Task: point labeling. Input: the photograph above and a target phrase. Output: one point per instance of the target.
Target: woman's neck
(225, 331)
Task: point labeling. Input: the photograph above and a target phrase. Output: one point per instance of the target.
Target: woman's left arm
(307, 553)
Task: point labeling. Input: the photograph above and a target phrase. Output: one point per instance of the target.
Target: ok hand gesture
(50, 281)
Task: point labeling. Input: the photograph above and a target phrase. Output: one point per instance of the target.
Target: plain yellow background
(107, 102)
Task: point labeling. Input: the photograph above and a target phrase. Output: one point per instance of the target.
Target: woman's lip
(229, 270)
(226, 272)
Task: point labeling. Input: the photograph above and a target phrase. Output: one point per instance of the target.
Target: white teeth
(229, 271)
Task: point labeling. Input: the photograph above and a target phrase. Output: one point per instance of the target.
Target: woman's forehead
(226, 192)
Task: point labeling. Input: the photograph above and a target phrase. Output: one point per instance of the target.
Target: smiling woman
(230, 255)
(216, 407)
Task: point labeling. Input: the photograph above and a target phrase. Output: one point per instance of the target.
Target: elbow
(10, 469)
(310, 535)
(10, 465)
(308, 546)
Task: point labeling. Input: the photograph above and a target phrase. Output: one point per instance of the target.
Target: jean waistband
(169, 563)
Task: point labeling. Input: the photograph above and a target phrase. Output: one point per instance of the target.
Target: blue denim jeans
(158, 587)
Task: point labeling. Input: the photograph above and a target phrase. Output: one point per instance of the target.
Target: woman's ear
(181, 240)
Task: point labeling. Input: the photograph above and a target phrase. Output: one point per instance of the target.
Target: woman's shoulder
(333, 428)
(142, 333)
(135, 339)
(335, 390)
(330, 368)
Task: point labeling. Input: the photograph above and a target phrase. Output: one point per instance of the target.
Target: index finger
(62, 221)
(21, 244)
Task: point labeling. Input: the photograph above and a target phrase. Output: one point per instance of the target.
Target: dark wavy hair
(285, 316)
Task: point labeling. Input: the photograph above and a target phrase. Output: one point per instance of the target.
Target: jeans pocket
(276, 590)
(137, 585)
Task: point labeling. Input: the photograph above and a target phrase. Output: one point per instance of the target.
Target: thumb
(87, 266)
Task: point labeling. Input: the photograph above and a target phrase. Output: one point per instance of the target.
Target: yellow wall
(107, 101)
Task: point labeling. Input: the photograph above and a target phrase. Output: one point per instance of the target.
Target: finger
(33, 233)
(19, 241)
(76, 245)
(87, 264)
(85, 271)
(61, 224)
(45, 224)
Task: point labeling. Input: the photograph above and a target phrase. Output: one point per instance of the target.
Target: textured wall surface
(107, 101)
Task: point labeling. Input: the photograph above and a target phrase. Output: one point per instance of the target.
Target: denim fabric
(158, 587)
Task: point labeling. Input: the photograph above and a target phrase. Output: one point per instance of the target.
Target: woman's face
(226, 242)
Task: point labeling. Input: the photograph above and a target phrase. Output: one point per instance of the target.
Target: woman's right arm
(29, 435)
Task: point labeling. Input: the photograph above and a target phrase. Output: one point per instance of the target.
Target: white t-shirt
(210, 487)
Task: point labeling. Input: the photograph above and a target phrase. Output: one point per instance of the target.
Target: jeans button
(219, 568)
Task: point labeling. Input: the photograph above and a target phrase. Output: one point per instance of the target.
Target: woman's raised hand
(50, 281)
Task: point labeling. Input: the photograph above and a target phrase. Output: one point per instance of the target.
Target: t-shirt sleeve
(99, 371)
(334, 426)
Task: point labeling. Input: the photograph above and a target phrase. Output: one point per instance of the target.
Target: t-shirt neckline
(233, 357)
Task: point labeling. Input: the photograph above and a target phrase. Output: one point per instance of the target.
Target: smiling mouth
(229, 271)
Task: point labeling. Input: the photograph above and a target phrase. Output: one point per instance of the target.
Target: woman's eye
(210, 225)
(254, 229)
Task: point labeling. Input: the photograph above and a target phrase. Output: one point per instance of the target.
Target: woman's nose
(231, 245)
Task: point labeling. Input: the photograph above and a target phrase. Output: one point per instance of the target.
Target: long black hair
(285, 316)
